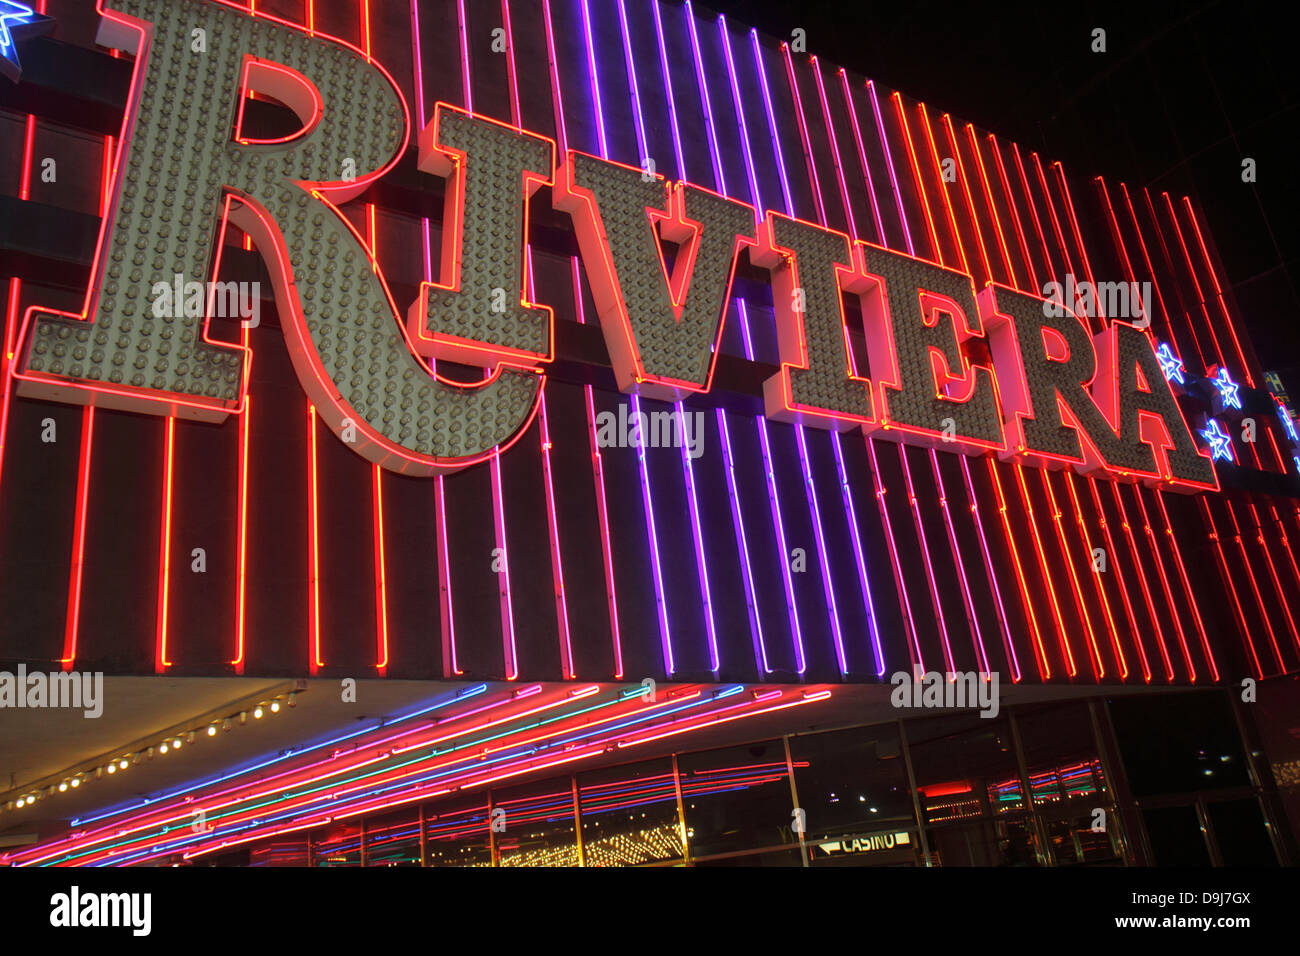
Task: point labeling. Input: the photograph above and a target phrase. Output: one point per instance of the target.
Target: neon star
(1219, 442)
(1170, 364)
(16, 13)
(1227, 389)
(18, 22)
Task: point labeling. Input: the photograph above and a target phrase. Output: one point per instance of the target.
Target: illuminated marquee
(1052, 394)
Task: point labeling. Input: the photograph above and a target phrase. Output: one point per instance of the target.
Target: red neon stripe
(73, 619)
(914, 645)
(29, 137)
(1072, 480)
(1024, 492)
(1226, 574)
(313, 547)
(1071, 669)
(897, 99)
(1218, 292)
(1196, 283)
(1080, 601)
(78, 539)
(6, 360)
(1070, 485)
(1182, 573)
(946, 119)
(161, 663)
(1272, 570)
(1064, 189)
(1264, 615)
(967, 597)
(988, 199)
(1043, 666)
(1169, 265)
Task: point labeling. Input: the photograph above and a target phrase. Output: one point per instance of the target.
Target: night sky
(1183, 93)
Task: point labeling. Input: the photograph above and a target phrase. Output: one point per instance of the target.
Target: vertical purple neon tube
(846, 492)
(660, 601)
(738, 521)
(688, 470)
(801, 663)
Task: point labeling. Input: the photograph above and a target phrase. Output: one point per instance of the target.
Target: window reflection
(1205, 754)
(394, 839)
(965, 767)
(737, 799)
(629, 815)
(536, 824)
(458, 832)
(338, 845)
(852, 785)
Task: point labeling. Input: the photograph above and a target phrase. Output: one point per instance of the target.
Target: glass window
(393, 839)
(1061, 755)
(337, 845)
(1175, 835)
(852, 787)
(535, 824)
(978, 843)
(737, 799)
(1241, 833)
(965, 767)
(1178, 743)
(629, 815)
(458, 832)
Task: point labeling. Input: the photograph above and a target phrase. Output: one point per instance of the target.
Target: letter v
(662, 330)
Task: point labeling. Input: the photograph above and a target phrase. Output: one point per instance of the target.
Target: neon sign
(982, 370)
(18, 21)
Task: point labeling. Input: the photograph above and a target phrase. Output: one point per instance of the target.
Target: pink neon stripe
(552, 522)
(509, 649)
(451, 665)
(598, 475)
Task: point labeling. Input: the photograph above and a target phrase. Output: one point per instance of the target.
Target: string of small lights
(170, 742)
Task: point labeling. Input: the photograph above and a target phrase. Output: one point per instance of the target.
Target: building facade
(637, 382)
